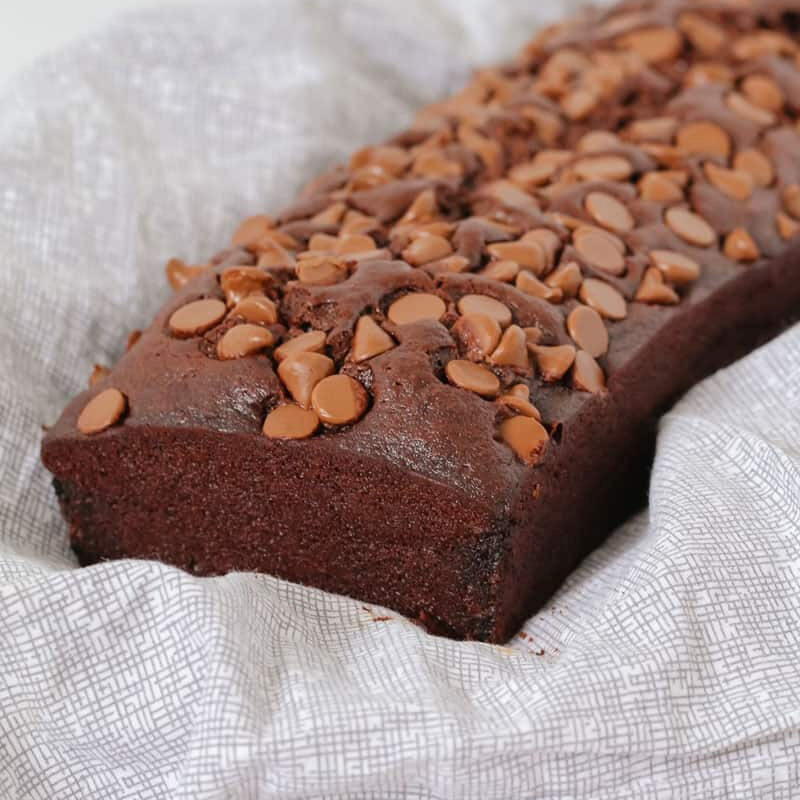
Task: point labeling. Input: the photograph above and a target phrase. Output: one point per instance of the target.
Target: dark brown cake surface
(433, 382)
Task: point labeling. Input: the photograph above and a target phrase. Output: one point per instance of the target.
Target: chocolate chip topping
(568, 197)
(102, 411)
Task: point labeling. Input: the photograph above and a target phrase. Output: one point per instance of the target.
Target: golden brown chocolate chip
(256, 308)
(578, 103)
(243, 340)
(567, 277)
(482, 304)
(415, 307)
(706, 36)
(390, 158)
(98, 373)
(512, 351)
(422, 209)
(587, 374)
(322, 243)
(478, 333)
(527, 282)
(603, 168)
(755, 164)
(708, 72)
(310, 342)
(691, 227)
(356, 222)
(504, 271)
(473, 377)
(426, 247)
(532, 173)
(102, 411)
(354, 244)
(763, 92)
(252, 230)
(520, 390)
(239, 282)
(488, 150)
(740, 246)
(655, 187)
(587, 329)
(520, 405)
(652, 44)
(339, 400)
(448, 264)
(704, 138)
(531, 254)
(597, 141)
(739, 104)
(791, 199)
(607, 211)
(553, 362)
(369, 340)
(656, 129)
(178, 273)
(533, 336)
(676, 267)
(332, 215)
(526, 436)
(600, 249)
(666, 155)
(787, 227)
(762, 43)
(321, 271)
(732, 182)
(196, 317)
(603, 298)
(300, 373)
(290, 422)
(547, 239)
(652, 289)
(273, 254)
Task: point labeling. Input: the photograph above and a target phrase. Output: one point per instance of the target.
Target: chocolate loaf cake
(433, 382)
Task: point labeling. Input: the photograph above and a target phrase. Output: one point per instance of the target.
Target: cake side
(445, 362)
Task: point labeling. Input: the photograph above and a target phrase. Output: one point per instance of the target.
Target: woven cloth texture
(668, 666)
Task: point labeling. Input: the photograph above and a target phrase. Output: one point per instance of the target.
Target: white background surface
(32, 27)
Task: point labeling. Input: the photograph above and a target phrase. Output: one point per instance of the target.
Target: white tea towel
(668, 666)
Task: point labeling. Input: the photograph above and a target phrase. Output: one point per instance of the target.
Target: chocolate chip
(741, 105)
(740, 246)
(520, 405)
(339, 400)
(567, 278)
(504, 271)
(369, 340)
(787, 227)
(530, 255)
(256, 308)
(479, 334)
(676, 267)
(310, 342)
(553, 362)
(300, 373)
(415, 307)
(239, 282)
(426, 247)
(321, 271)
(243, 340)
(656, 129)
(652, 44)
(196, 317)
(290, 422)
(791, 199)
(607, 211)
(587, 329)
(756, 165)
(706, 36)
(704, 138)
(252, 230)
(603, 298)
(179, 274)
(512, 351)
(528, 283)
(652, 289)
(657, 188)
(763, 92)
(99, 373)
(600, 249)
(482, 304)
(102, 411)
(526, 436)
(603, 168)
(732, 182)
(473, 377)
(587, 374)
(691, 227)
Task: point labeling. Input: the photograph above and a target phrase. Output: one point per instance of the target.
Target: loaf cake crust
(433, 382)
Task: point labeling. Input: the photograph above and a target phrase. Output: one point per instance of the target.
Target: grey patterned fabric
(667, 667)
